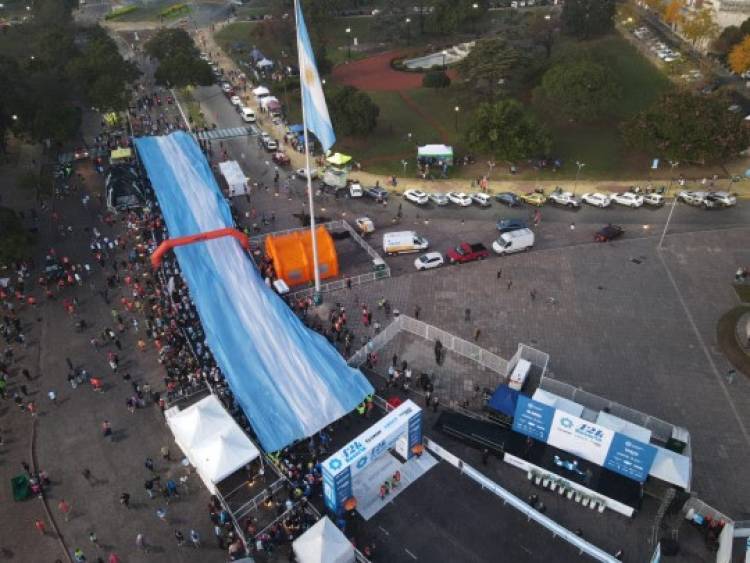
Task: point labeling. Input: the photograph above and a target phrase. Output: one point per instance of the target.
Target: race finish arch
(171, 243)
(401, 430)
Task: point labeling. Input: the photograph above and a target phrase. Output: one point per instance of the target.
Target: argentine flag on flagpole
(313, 101)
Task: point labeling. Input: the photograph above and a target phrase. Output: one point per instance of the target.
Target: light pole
(349, 43)
(580, 165)
(457, 109)
(474, 7)
(674, 164)
(408, 30)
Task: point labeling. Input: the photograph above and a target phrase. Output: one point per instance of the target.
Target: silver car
(439, 199)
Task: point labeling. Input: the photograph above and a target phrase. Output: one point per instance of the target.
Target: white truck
(402, 242)
(514, 241)
(519, 375)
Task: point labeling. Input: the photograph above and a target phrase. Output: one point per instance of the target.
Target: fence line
(342, 283)
(257, 241)
(523, 507)
(361, 241)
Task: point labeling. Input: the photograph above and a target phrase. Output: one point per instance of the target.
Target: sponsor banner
(533, 418)
(580, 437)
(630, 458)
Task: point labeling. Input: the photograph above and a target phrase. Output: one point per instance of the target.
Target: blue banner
(533, 419)
(630, 458)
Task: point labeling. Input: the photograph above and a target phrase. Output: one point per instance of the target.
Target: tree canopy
(739, 56)
(352, 112)
(15, 240)
(585, 19)
(507, 131)
(700, 26)
(686, 127)
(180, 64)
(494, 66)
(579, 89)
(728, 38)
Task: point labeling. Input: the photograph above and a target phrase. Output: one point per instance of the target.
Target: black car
(508, 198)
(608, 233)
(508, 225)
(377, 193)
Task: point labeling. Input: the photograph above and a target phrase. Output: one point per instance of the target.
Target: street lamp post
(349, 43)
(475, 7)
(408, 30)
(580, 165)
(457, 109)
(674, 164)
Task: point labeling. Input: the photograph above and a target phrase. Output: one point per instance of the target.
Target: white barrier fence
(557, 531)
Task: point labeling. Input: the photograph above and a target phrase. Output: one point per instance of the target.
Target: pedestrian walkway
(218, 134)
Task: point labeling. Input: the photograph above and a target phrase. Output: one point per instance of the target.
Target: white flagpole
(313, 235)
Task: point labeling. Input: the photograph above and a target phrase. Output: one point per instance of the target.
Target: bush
(174, 10)
(116, 13)
(436, 79)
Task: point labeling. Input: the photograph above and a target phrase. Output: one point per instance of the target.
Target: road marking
(707, 353)
(410, 553)
(384, 530)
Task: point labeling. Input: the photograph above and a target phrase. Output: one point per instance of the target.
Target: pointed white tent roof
(671, 467)
(261, 91)
(323, 543)
(211, 440)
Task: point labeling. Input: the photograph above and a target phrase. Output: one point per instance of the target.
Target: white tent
(236, 181)
(624, 427)
(264, 103)
(211, 440)
(261, 91)
(555, 401)
(441, 152)
(323, 543)
(671, 467)
(264, 63)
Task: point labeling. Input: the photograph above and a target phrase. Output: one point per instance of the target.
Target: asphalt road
(446, 226)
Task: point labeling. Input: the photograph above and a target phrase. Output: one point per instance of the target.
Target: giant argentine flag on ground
(313, 101)
(289, 380)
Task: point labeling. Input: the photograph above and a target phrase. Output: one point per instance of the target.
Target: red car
(466, 252)
(280, 158)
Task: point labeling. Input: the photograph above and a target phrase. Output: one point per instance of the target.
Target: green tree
(582, 90)
(728, 38)
(15, 240)
(180, 64)
(352, 112)
(436, 79)
(585, 19)
(690, 128)
(452, 15)
(541, 29)
(101, 72)
(494, 66)
(507, 131)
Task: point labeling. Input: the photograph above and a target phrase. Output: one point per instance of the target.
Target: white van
(402, 242)
(355, 190)
(248, 115)
(519, 375)
(514, 241)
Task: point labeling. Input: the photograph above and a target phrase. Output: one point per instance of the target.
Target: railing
(336, 224)
(345, 282)
(508, 498)
(704, 509)
(255, 502)
(534, 356)
(361, 242)
(376, 343)
(660, 429)
(455, 344)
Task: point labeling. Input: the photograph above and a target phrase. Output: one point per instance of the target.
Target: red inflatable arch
(171, 243)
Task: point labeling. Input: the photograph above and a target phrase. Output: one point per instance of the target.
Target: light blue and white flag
(313, 101)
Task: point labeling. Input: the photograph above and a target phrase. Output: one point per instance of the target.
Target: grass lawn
(147, 11)
(599, 145)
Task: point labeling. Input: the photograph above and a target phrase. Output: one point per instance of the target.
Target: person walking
(161, 514)
(93, 539)
(113, 558)
(195, 538)
(107, 429)
(467, 315)
(64, 507)
(477, 333)
(149, 486)
(149, 464)
(39, 525)
(178, 535)
(140, 542)
(125, 500)
(79, 556)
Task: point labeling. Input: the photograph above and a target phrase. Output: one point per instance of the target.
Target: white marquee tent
(261, 91)
(211, 440)
(323, 543)
(234, 177)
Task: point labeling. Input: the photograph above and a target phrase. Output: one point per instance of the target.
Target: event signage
(597, 444)
(630, 457)
(341, 469)
(580, 437)
(533, 418)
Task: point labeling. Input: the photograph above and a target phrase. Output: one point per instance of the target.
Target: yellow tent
(338, 159)
(120, 154)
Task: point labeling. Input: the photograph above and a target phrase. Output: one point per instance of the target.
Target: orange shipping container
(292, 256)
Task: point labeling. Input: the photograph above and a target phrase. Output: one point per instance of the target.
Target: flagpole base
(317, 298)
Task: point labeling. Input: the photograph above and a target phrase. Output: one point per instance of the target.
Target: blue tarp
(288, 379)
(504, 400)
(299, 129)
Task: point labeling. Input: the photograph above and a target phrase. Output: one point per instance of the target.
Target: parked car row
(657, 47)
(707, 200)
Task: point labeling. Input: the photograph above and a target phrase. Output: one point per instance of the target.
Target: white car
(481, 199)
(356, 190)
(364, 225)
(226, 87)
(655, 200)
(566, 199)
(236, 101)
(248, 115)
(692, 198)
(438, 199)
(301, 173)
(629, 199)
(429, 261)
(596, 199)
(459, 198)
(723, 199)
(416, 196)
